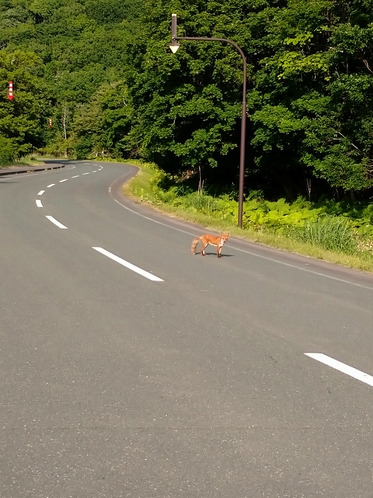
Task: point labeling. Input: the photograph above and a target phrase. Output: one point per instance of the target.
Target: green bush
(279, 214)
(335, 226)
(199, 202)
(8, 151)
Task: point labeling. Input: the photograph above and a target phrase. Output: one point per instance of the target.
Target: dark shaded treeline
(103, 71)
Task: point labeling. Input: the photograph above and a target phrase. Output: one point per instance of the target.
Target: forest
(96, 78)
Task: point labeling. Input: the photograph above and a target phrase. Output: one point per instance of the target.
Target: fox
(208, 239)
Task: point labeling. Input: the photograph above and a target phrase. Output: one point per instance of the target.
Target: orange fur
(213, 240)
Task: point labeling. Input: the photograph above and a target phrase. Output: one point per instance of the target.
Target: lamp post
(174, 47)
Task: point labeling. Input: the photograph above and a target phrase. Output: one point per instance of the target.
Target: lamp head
(174, 46)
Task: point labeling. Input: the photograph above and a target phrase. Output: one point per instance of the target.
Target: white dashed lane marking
(128, 265)
(342, 367)
(39, 203)
(57, 223)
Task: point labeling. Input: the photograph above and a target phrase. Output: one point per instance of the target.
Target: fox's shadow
(214, 254)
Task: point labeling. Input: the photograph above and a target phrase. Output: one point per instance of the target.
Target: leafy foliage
(21, 120)
(80, 46)
(335, 226)
(103, 71)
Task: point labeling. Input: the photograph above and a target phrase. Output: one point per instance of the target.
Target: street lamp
(174, 45)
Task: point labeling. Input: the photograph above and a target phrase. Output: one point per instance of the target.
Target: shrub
(8, 151)
(335, 226)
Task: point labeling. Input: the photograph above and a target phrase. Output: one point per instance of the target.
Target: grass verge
(141, 189)
(25, 161)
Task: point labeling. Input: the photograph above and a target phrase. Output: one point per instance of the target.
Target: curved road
(130, 368)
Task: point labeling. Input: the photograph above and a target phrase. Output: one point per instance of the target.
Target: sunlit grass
(29, 160)
(328, 240)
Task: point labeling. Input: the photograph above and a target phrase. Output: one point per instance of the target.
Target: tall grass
(200, 202)
(301, 227)
(330, 233)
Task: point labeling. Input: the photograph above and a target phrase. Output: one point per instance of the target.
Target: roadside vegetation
(96, 79)
(29, 160)
(337, 232)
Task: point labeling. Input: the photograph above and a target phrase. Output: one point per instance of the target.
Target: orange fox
(213, 240)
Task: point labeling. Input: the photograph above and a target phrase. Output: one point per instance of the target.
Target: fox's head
(224, 237)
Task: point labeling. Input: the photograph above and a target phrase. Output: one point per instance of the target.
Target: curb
(5, 171)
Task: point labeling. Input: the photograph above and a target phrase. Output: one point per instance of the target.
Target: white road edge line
(342, 367)
(128, 265)
(41, 192)
(39, 203)
(260, 256)
(57, 223)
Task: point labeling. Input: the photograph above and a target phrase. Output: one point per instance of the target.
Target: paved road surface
(130, 368)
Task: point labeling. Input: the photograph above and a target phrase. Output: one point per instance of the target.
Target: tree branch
(367, 65)
(353, 145)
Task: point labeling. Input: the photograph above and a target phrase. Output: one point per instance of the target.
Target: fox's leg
(203, 248)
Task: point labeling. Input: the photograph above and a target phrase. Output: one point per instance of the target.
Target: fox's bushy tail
(194, 244)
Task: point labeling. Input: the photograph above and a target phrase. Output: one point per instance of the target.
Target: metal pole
(243, 115)
(243, 146)
(174, 26)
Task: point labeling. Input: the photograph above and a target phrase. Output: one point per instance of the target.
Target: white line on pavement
(41, 192)
(57, 223)
(260, 256)
(342, 367)
(76, 176)
(86, 173)
(51, 185)
(128, 265)
(65, 180)
(38, 203)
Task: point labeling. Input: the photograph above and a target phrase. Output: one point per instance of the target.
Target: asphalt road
(130, 368)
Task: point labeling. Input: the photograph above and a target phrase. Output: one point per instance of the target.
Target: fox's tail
(194, 244)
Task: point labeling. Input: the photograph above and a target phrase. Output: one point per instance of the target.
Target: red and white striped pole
(10, 91)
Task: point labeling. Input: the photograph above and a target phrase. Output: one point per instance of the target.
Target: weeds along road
(130, 368)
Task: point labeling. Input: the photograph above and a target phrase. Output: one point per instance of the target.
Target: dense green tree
(112, 11)
(81, 44)
(312, 99)
(23, 120)
(188, 104)
(310, 77)
(103, 125)
(309, 93)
